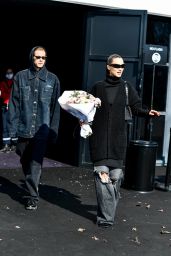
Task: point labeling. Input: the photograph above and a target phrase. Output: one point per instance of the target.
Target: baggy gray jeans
(31, 152)
(107, 193)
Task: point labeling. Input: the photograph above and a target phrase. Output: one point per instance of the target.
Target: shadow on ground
(64, 223)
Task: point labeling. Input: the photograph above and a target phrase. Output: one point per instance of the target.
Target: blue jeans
(5, 136)
(107, 193)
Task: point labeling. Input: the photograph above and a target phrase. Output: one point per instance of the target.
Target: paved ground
(64, 223)
(12, 160)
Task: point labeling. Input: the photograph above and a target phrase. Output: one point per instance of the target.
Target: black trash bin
(140, 165)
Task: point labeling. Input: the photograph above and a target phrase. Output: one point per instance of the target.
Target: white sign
(156, 57)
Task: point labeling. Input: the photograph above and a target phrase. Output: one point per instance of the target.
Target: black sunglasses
(40, 57)
(117, 65)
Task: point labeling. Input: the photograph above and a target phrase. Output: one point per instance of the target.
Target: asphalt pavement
(65, 222)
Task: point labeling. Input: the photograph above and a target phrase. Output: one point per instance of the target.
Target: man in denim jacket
(33, 117)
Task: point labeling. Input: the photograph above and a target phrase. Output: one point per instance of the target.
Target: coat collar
(114, 81)
(41, 74)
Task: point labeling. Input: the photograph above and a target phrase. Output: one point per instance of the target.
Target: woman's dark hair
(110, 60)
(111, 57)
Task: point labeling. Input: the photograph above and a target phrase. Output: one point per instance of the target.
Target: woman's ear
(108, 67)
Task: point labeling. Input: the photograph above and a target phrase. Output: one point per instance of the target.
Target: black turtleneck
(112, 87)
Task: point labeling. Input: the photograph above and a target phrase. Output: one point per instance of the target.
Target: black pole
(152, 89)
(150, 119)
(151, 107)
(168, 168)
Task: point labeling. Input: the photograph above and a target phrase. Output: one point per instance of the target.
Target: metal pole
(168, 109)
(150, 125)
(166, 186)
(168, 168)
(152, 89)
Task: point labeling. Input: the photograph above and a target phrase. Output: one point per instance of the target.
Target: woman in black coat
(109, 138)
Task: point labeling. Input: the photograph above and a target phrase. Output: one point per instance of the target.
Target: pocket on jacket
(25, 92)
(47, 93)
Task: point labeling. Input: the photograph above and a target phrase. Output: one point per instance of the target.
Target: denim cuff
(101, 168)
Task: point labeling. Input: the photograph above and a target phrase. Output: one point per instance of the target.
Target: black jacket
(109, 137)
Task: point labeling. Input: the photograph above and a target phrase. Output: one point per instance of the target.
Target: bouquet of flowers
(81, 105)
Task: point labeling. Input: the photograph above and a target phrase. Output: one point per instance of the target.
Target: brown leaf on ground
(95, 238)
(136, 240)
(164, 231)
(81, 229)
(160, 210)
(139, 204)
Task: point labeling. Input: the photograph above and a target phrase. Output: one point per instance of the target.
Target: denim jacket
(33, 106)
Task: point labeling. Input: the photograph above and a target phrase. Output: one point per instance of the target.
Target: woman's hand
(153, 112)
